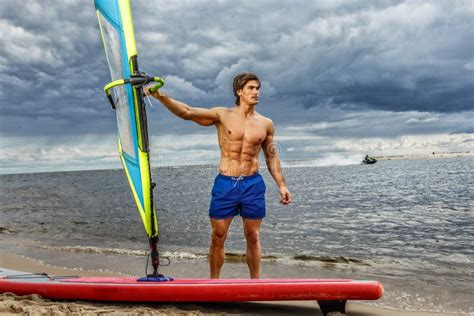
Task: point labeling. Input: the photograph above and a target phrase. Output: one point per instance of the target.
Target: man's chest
(250, 131)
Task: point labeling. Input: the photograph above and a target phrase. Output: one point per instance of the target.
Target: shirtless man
(239, 188)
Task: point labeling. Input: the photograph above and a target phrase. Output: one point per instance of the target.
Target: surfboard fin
(332, 306)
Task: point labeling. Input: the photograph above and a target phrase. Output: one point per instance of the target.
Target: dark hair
(240, 81)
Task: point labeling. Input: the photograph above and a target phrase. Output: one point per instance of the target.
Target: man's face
(250, 93)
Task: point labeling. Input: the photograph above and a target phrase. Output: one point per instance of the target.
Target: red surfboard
(330, 293)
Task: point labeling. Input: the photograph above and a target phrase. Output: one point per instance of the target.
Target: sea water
(407, 223)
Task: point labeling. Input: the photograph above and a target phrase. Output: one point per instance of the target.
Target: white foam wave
(98, 250)
(91, 249)
(326, 160)
(184, 255)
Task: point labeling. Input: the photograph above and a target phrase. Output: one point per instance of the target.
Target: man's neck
(246, 110)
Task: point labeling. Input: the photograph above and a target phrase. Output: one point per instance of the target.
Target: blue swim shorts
(232, 196)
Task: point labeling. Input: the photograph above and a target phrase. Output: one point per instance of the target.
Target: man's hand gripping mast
(137, 80)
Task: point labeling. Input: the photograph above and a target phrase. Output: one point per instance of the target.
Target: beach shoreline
(12, 304)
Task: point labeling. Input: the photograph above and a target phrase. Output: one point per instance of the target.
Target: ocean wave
(184, 255)
(92, 249)
(325, 161)
(121, 251)
(229, 256)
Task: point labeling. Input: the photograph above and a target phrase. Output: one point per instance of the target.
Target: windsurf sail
(125, 93)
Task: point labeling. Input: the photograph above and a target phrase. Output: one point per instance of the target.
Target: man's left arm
(273, 164)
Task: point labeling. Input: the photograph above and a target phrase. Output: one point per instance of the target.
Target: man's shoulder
(265, 120)
(221, 109)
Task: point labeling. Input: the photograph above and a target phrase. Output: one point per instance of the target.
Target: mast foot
(155, 278)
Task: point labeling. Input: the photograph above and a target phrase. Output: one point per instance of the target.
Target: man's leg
(253, 255)
(216, 252)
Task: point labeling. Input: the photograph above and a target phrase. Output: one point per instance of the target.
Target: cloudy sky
(339, 78)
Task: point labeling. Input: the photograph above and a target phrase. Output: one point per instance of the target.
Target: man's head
(246, 86)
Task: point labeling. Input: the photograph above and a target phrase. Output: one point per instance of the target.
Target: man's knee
(252, 237)
(218, 237)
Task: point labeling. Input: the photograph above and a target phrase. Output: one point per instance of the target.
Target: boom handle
(136, 80)
(111, 85)
(160, 82)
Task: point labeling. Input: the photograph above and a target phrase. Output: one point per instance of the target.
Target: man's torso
(240, 140)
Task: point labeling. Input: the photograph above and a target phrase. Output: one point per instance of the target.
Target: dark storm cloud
(353, 56)
(392, 55)
(52, 68)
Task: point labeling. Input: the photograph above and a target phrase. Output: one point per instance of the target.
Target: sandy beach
(11, 304)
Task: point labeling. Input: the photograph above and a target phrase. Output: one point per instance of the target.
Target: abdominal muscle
(235, 168)
(238, 157)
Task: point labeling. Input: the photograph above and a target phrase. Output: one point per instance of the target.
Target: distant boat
(369, 160)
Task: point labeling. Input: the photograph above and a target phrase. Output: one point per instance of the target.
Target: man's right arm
(201, 116)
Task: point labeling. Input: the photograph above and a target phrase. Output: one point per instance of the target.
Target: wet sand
(11, 304)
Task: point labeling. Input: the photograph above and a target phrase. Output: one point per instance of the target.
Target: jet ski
(369, 160)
